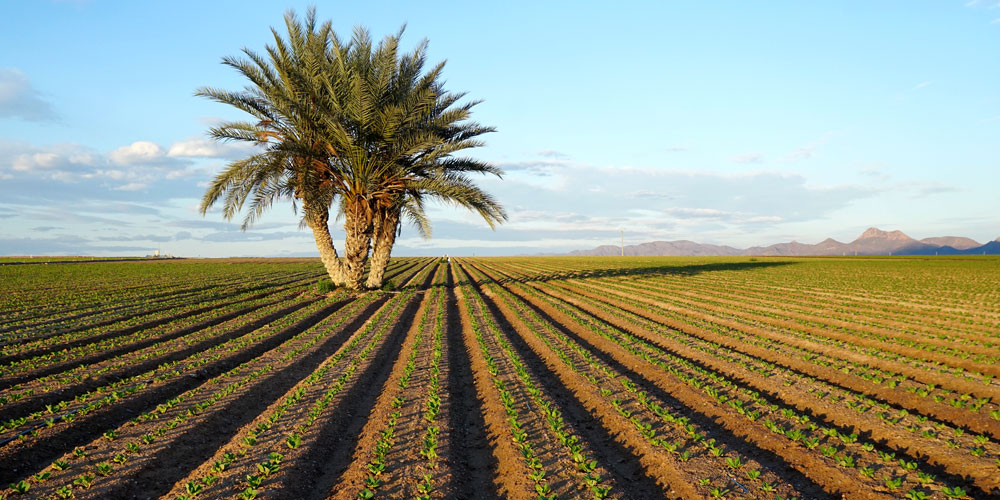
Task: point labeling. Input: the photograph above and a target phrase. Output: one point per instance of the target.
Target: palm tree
(291, 155)
(427, 166)
(394, 131)
(357, 126)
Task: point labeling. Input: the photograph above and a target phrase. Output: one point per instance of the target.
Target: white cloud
(199, 147)
(19, 99)
(29, 162)
(125, 168)
(691, 216)
(113, 174)
(446, 243)
(195, 147)
(765, 218)
(695, 212)
(180, 174)
(138, 152)
(923, 84)
(650, 203)
(132, 186)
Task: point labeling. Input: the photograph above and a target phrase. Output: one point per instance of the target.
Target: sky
(726, 122)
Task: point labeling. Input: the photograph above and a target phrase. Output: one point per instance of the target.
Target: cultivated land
(503, 377)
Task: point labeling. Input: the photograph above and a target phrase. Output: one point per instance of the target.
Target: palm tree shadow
(649, 272)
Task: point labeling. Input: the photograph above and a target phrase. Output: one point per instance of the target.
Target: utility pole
(623, 241)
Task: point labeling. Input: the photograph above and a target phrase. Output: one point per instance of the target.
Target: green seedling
(954, 492)
(84, 481)
(893, 483)
(104, 469)
(719, 492)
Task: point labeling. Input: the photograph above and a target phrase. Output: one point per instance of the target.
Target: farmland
(522, 378)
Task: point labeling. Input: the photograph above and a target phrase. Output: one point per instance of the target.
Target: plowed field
(516, 378)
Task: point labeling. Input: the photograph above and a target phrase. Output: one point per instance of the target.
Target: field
(514, 378)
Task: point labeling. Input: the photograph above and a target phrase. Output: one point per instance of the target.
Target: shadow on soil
(474, 465)
(649, 272)
(317, 472)
(169, 466)
(630, 476)
(766, 458)
(50, 447)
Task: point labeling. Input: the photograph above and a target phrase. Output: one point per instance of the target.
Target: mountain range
(873, 241)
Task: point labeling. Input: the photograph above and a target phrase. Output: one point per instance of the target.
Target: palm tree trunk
(358, 227)
(385, 225)
(324, 243)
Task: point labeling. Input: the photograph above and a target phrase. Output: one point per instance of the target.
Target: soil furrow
(465, 450)
(315, 472)
(802, 469)
(629, 475)
(49, 447)
(978, 422)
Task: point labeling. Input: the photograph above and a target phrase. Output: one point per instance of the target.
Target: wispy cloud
(807, 151)
(533, 166)
(923, 85)
(551, 153)
(753, 157)
(924, 189)
(875, 173)
(19, 99)
(991, 4)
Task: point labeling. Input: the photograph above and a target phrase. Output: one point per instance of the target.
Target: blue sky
(734, 123)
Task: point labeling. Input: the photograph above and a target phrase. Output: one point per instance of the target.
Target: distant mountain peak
(874, 232)
(873, 241)
(957, 242)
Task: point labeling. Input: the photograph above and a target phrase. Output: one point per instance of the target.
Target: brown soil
(831, 479)
(978, 422)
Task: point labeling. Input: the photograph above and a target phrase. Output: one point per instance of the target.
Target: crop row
(715, 383)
